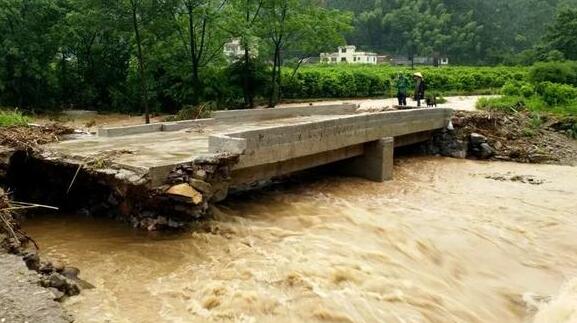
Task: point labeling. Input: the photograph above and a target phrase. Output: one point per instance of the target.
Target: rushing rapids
(446, 241)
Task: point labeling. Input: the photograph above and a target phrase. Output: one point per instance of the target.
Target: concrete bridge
(270, 142)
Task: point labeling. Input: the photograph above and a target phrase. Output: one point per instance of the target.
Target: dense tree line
(159, 55)
(141, 55)
(469, 32)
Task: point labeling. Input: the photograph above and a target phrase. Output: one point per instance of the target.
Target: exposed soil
(510, 137)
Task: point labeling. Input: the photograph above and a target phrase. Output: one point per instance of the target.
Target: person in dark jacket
(402, 84)
(420, 87)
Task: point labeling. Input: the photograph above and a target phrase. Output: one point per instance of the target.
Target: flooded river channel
(446, 241)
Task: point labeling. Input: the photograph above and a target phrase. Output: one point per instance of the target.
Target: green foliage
(556, 72)
(127, 54)
(339, 81)
(13, 118)
(253, 72)
(557, 94)
(561, 36)
(505, 103)
(472, 31)
(518, 88)
(190, 112)
(28, 45)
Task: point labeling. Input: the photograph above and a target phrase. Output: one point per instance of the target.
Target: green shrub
(189, 112)
(510, 88)
(555, 72)
(556, 94)
(527, 90)
(505, 103)
(12, 118)
(518, 88)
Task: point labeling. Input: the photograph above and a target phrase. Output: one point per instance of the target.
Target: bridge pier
(376, 163)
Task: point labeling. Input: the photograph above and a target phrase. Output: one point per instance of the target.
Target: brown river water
(446, 241)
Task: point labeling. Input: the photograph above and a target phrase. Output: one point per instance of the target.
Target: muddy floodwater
(446, 241)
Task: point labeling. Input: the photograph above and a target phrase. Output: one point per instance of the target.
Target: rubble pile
(187, 193)
(518, 137)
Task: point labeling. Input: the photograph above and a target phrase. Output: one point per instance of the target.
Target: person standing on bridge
(420, 87)
(402, 85)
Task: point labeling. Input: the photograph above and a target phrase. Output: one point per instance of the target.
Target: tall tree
(562, 35)
(93, 56)
(243, 24)
(136, 12)
(201, 24)
(288, 22)
(28, 46)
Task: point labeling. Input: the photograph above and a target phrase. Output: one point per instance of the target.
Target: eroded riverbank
(443, 242)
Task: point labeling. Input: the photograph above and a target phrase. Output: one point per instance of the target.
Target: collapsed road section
(167, 174)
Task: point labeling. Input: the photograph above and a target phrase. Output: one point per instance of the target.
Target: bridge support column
(376, 164)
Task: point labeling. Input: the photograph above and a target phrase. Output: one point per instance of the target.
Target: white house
(349, 55)
(233, 50)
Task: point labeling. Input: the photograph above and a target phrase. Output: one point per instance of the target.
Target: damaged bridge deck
(270, 142)
(166, 174)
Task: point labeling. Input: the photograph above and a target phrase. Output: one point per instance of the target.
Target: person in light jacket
(420, 88)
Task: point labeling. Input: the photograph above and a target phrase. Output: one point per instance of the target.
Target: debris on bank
(32, 136)
(509, 177)
(519, 137)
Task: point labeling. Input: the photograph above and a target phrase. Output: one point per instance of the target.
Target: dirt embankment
(519, 137)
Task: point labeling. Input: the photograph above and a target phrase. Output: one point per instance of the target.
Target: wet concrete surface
(164, 148)
(21, 297)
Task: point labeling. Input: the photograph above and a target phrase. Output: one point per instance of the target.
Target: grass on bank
(533, 104)
(539, 112)
(12, 118)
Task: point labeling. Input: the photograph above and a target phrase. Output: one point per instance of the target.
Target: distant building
(233, 50)
(349, 55)
(384, 59)
(311, 61)
(420, 60)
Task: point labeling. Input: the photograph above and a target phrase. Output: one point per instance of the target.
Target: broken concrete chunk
(187, 191)
(202, 186)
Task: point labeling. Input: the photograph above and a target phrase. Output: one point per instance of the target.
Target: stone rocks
(486, 151)
(61, 283)
(477, 139)
(186, 191)
(70, 272)
(446, 143)
(479, 146)
(220, 192)
(201, 186)
(32, 261)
